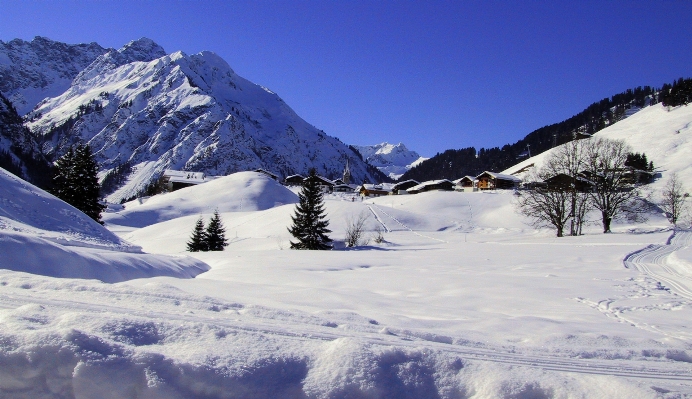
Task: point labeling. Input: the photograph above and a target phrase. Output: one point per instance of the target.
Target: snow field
(462, 300)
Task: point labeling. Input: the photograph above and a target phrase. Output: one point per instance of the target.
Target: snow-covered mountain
(143, 111)
(32, 71)
(392, 160)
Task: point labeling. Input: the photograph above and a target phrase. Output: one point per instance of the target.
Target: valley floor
(449, 306)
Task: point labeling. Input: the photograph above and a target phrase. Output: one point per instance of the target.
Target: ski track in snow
(652, 261)
(300, 331)
(379, 209)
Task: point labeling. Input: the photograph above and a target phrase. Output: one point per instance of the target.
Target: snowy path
(379, 219)
(106, 302)
(652, 261)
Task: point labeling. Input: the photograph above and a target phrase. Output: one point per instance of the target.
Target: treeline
(454, 164)
(679, 93)
(23, 157)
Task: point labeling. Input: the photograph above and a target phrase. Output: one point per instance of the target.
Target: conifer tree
(198, 241)
(309, 223)
(75, 181)
(216, 234)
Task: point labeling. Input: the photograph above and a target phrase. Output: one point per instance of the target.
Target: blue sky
(434, 75)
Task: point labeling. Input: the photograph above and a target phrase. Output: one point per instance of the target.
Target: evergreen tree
(75, 181)
(309, 223)
(215, 234)
(198, 241)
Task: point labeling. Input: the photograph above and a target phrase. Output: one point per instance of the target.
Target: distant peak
(143, 49)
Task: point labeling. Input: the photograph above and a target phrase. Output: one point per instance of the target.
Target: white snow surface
(391, 159)
(462, 299)
(43, 235)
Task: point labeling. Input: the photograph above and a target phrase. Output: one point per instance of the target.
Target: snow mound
(239, 192)
(28, 209)
(41, 234)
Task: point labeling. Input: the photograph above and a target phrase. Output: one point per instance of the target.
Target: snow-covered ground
(462, 299)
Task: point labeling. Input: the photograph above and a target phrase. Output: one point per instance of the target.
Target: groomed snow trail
(652, 261)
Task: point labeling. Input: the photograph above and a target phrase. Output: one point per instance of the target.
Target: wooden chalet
(492, 181)
(432, 185)
(176, 179)
(564, 182)
(345, 188)
(375, 190)
(326, 184)
(466, 183)
(294, 180)
(401, 187)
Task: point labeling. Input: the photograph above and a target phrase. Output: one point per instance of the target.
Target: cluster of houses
(484, 181)
(173, 180)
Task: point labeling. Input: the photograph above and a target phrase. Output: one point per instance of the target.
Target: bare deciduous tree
(614, 192)
(355, 227)
(570, 160)
(674, 199)
(544, 206)
(563, 201)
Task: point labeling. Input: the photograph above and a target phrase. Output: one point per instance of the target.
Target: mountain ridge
(143, 111)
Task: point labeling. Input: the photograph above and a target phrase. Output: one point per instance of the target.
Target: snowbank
(41, 234)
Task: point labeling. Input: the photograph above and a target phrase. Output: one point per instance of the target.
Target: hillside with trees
(453, 164)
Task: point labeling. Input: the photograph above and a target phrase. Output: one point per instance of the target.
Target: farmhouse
(564, 182)
(491, 181)
(375, 190)
(345, 188)
(466, 183)
(401, 187)
(294, 180)
(326, 184)
(440, 185)
(174, 180)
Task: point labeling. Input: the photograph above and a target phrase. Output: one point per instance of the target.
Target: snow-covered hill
(664, 135)
(239, 192)
(32, 71)
(148, 111)
(392, 160)
(41, 234)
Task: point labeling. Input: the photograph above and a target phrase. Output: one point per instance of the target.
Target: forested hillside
(453, 164)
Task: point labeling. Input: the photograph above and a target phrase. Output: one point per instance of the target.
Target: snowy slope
(32, 71)
(665, 136)
(239, 192)
(153, 112)
(392, 160)
(41, 234)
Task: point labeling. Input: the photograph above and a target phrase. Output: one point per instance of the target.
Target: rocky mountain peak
(32, 71)
(143, 49)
